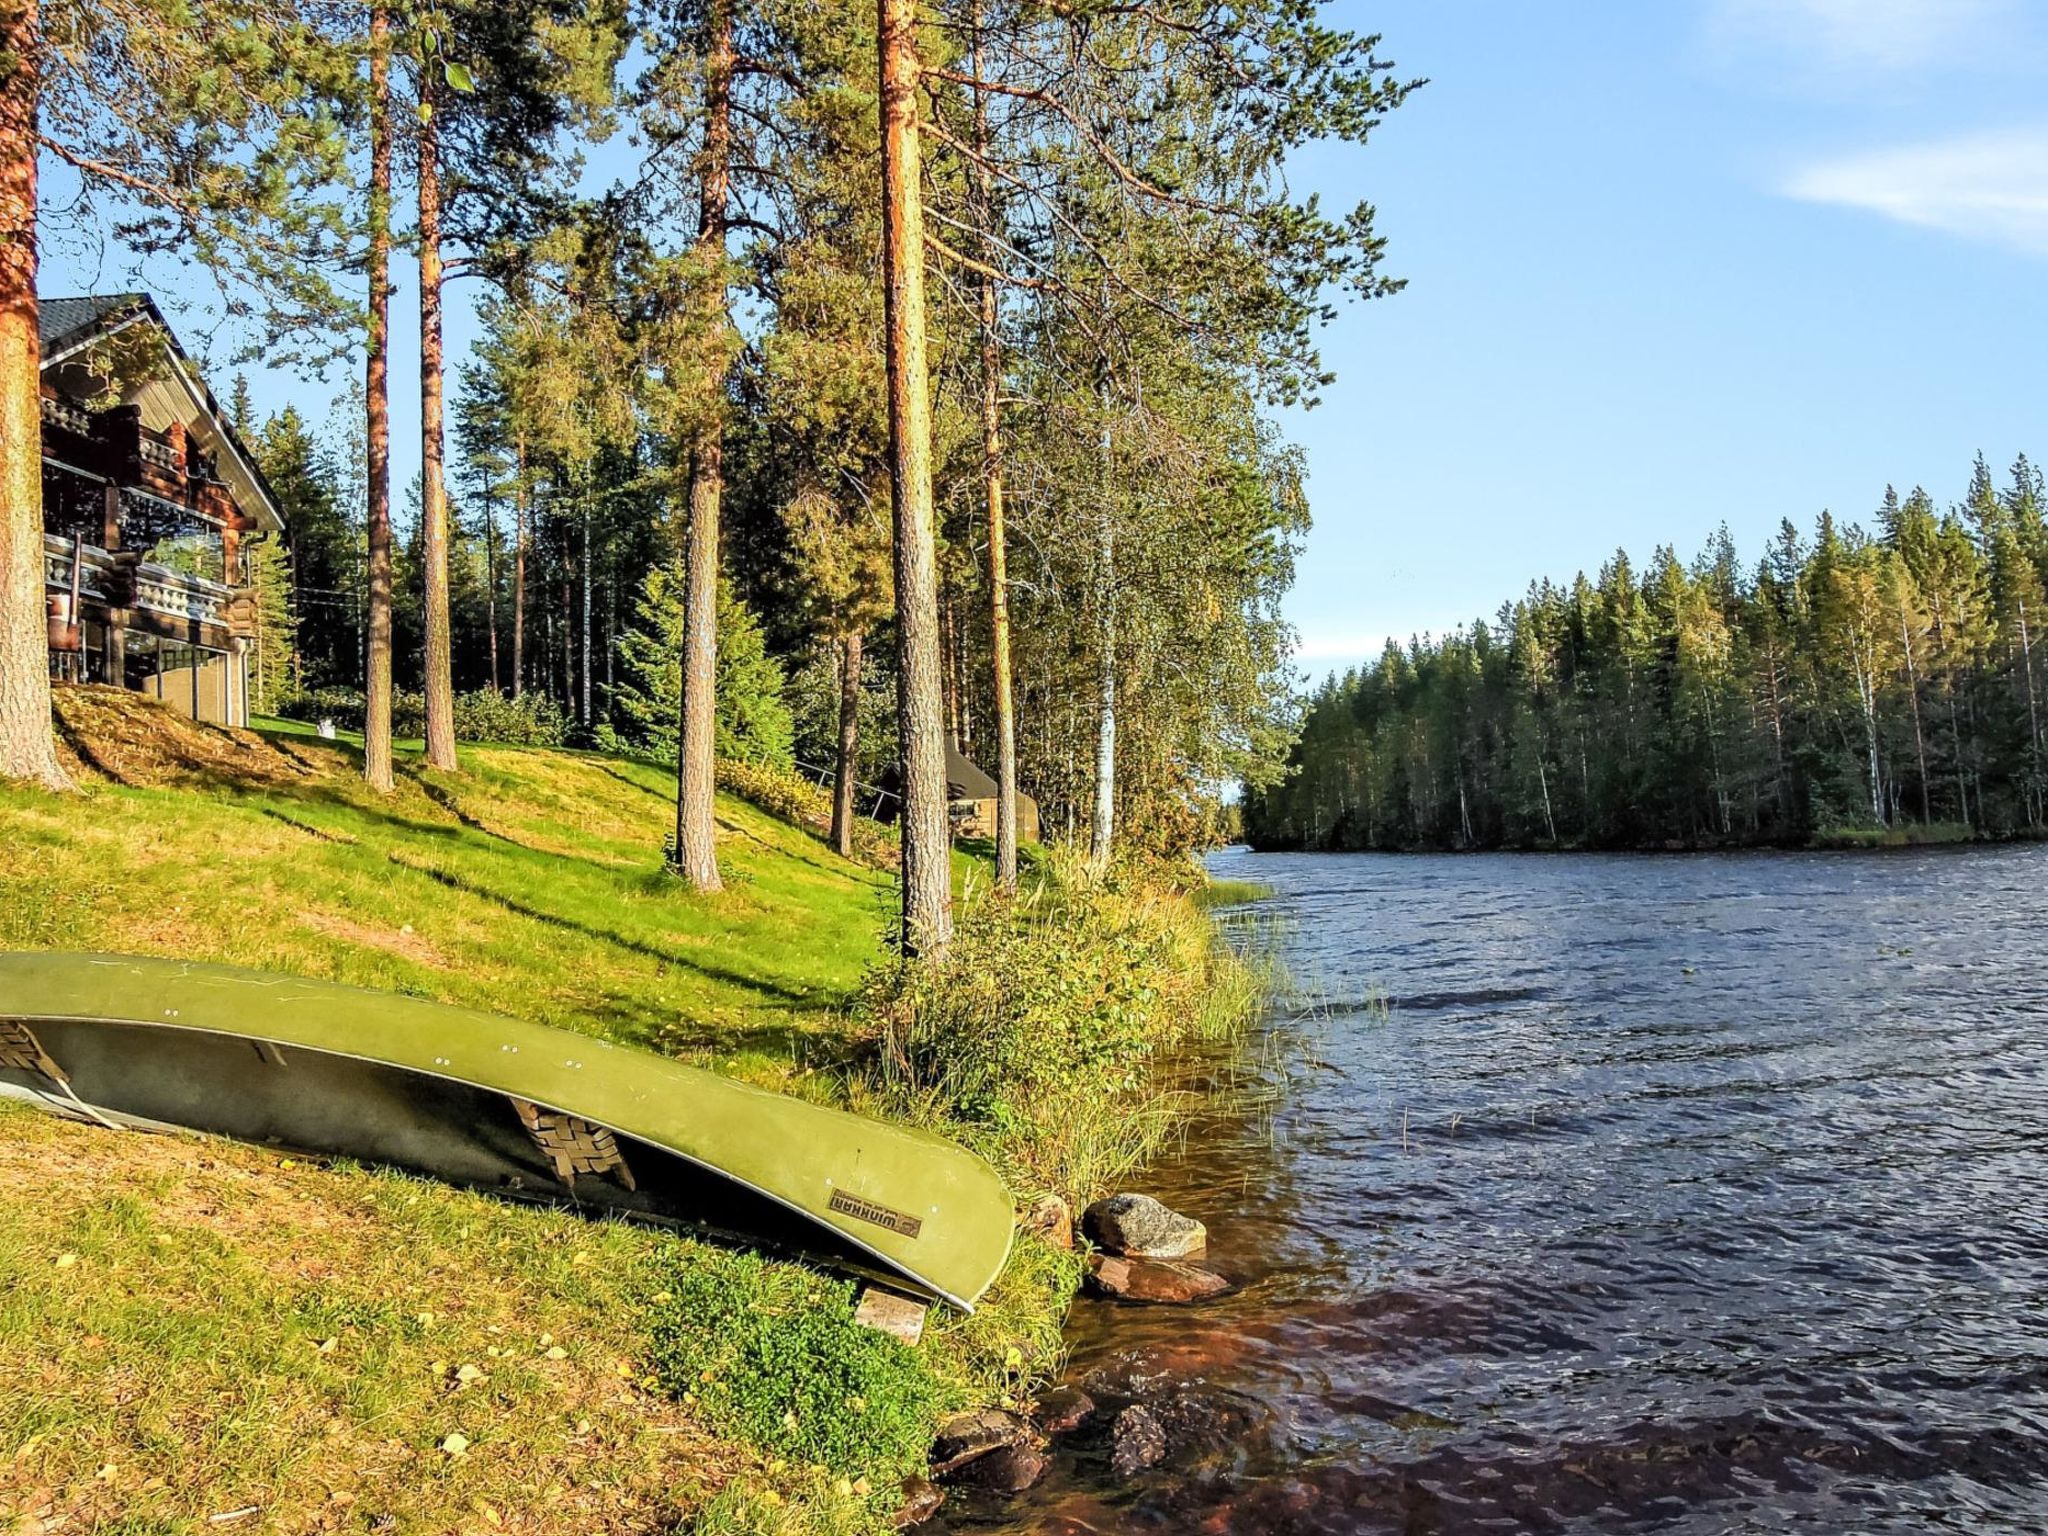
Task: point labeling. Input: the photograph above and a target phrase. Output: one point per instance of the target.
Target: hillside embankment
(201, 1336)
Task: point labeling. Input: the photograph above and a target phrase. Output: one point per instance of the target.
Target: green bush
(531, 720)
(771, 1355)
(1042, 1032)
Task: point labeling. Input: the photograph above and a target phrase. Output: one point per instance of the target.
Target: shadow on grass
(518, 908)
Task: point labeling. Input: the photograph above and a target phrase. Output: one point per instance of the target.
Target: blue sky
(1670, 263)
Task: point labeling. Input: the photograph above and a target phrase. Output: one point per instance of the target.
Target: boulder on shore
(1155, 1280)
(920, 1502)
(987, 1449)
(1139, 1227)
(1049, 1217)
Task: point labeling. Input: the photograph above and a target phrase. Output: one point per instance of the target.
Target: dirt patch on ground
(402, 942)
(118, 737)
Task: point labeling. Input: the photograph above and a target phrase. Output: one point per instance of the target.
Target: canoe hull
(500, 1105)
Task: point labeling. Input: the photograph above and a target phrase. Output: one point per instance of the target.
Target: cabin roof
(964, 778)
(67, 324)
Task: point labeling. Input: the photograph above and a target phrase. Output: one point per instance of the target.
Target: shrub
(531, 720)
(1043, 1032)
(344, 706)
(771, 1355)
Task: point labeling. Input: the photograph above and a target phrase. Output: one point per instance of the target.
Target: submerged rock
(1006, 1469)
(1155, 1280)
(1062, 1409)
(920, 1502)
(1139, 1227)
(1137, 1441)
(1049, 1217)
(987, 1449)
(966, 1436)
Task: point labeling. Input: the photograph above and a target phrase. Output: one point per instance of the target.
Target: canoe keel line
(520, 1109)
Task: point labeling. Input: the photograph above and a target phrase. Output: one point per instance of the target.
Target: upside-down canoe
(523, 1109)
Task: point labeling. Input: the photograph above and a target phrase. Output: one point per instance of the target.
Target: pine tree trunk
(377, 419)
(519, 566)
(28, 748)
(998, 593)
(1102, 829)
(847, 767)
(491, 593)
(1002, 691)
(696, 736)
(927, 843)
(584, 716)
(440, 687)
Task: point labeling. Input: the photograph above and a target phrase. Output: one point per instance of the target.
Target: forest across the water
(1850, 686)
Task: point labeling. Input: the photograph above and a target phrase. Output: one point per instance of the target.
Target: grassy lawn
(529, 884)
(198, 1337)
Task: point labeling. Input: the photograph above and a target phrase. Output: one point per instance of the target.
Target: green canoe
(532, 1112)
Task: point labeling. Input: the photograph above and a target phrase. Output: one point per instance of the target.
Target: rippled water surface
(1616, 1194)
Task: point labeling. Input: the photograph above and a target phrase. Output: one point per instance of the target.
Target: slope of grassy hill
(197, 1336)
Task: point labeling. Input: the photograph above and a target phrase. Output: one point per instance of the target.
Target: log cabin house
(149, 500)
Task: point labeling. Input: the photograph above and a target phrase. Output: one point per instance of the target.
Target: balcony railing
(157, 588)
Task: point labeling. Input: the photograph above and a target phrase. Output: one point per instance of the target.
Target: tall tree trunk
(998, 577)
(519, 565)
(927, 844)
(440, 687)
(584, 715)
(696, 745)
(377, 417)
(846, 770)
(1002, 693)
(28, 748)
(1102, 831)
(491, 592)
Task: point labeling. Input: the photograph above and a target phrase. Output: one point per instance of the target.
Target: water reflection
(1678, 1194)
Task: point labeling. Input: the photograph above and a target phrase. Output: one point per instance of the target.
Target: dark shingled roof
(965, 780)
(64, 320)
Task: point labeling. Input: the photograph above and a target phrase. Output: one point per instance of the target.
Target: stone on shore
(1137, 1441)
(1155, 1280)
(1049, 1217)
(920, 1502)
(1139, 1227)
(987, 1449)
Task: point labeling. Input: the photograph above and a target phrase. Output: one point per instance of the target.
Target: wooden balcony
(125, 581)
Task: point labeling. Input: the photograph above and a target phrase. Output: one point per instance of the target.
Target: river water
(1694, 1194)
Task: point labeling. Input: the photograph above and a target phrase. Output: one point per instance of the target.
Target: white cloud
(1985, 187)
(1858, 36)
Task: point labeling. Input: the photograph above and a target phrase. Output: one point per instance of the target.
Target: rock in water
(1159, 1280)
(1064, 1408)
(1006, 1469)
(1137, 1441)
(1139, 1227)
(920, 1502)
(967, 1436)
(1049, 1217)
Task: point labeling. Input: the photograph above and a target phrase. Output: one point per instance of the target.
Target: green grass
(204, 1328)
(1905, 835)
(1230, 893)
(530, 883)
